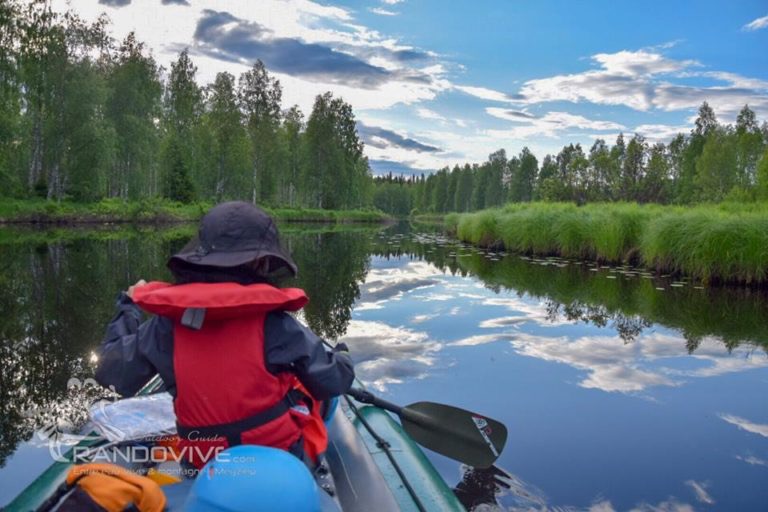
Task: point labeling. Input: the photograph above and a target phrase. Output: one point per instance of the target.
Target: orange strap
(114, 488)
(313, 430)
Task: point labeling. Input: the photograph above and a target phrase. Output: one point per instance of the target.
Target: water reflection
(389, 355)
(628, 300)
(746, 425)
(404, 305)
(54, 298)
(481, 490)
(57, 291)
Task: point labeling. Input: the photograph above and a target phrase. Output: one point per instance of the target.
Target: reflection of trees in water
(628, 327)
(57, 297)
(629, 304)
(331, 267)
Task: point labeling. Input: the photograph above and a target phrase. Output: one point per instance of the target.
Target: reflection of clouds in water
(670, 505)
(531, 312)
(752, 460)
(711, 351)
(612, 365)
(602, 505)
(375, 291)
(615, 366)
(437, 297)
(417, 319)
(700, 490)
(504, 321)
(482, 339)
(388, 355)
(386, 284)
(744, 424)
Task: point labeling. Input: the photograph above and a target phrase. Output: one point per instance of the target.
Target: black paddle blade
(471, 438)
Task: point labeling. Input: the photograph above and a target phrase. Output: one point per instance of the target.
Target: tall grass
(714, 243)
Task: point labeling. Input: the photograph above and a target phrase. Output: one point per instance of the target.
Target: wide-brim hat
(234, 234)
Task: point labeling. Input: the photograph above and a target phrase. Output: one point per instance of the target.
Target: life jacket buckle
(193, 318)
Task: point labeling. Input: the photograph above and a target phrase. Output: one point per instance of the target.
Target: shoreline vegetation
(724, 243)
(157, 211)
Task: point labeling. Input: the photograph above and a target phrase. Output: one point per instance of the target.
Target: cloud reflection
(752, 460)
(744, 424)
(700, 490)
(526, 310)
(482, 339)
(388, 355)
(615, 366)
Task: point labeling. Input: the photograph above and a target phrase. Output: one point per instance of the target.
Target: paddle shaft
(367, 397)
(405, 413)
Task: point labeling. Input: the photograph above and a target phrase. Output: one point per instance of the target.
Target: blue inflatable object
(333, 403)
(251, 478)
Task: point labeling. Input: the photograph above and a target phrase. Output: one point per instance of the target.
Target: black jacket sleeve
(290, 346)
(133, 352)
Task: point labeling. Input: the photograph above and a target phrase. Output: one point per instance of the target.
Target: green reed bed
(713, 243)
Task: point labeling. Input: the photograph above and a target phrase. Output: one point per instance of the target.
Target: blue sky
(436, 82)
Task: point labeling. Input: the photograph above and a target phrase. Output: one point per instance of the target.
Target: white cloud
(383, 12)
(744, 424)
(483, 93)
(408, 80)
(640, 63)
(392, 2)
(756, 24)
(661, 132)
(641, 80)
(548, 125)
(426, 113)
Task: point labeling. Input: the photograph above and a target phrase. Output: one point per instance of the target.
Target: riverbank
(725, 243)
(116, 211)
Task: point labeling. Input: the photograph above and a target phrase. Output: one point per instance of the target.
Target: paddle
(456, 433)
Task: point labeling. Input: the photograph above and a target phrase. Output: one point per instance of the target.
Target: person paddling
(241, 368)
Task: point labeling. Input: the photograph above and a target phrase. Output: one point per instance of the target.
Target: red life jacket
(225, 394)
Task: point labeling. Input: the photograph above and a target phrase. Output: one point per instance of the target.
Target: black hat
(234, 234)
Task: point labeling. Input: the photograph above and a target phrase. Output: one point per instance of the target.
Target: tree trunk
(36, 160)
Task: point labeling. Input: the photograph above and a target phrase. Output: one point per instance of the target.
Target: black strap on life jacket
(233, 431)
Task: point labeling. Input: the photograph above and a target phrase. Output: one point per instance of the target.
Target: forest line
(85, 118)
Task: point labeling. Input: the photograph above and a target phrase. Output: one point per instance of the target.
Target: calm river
(621, 390)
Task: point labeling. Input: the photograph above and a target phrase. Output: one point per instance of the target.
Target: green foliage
(335, 173)
(762, 176)
(84, 118)
(98, 122)
(156, 209)
(132, 107)
(716, 167)
(724, 243)
(177, 185)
